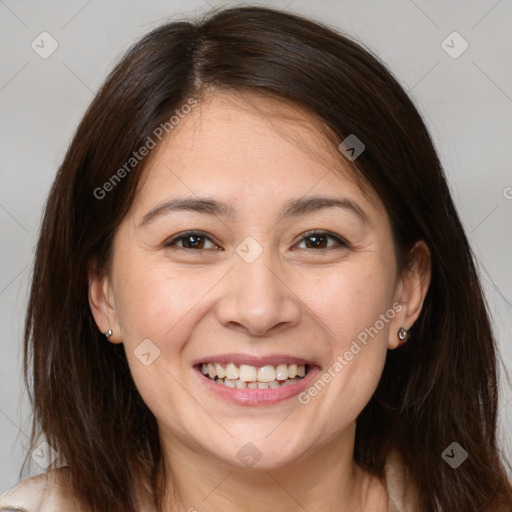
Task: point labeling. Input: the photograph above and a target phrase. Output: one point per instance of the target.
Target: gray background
(466, 101)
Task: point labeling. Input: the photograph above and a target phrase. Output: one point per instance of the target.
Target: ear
(411, 290)
(102, 304)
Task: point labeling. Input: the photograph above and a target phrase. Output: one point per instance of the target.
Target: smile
(246, 376)
(267, 381)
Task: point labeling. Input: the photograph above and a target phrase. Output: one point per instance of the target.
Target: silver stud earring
(403, 335)
(108, 334)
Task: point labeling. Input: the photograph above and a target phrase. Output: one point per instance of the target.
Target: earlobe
(412, 290)
(102, 304)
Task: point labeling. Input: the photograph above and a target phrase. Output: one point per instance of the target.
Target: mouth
(252, 381)
(246, 376)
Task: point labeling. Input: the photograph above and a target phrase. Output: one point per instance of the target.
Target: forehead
(241, 146)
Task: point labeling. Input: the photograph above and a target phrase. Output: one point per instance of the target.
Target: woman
(252, 290)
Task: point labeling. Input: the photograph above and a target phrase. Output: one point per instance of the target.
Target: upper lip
(257, 361)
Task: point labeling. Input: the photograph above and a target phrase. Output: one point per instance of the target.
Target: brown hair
(438, 388)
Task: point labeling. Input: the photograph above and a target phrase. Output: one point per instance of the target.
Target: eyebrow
(292, 208)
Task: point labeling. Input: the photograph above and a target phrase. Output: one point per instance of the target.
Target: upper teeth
(247, 373)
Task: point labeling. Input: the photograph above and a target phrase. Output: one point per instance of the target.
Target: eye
(319, 240)
(197, 240)
(191, 239)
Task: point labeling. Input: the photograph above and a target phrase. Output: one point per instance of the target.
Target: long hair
(439, 388)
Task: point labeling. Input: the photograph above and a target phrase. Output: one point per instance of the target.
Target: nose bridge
(257, 281)
(256, 296)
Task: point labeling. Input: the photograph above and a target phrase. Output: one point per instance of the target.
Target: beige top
(36, 494)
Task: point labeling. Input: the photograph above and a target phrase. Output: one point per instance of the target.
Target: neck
(326, 478)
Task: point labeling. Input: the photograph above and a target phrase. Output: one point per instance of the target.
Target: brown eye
(194, 240)
(319, 240)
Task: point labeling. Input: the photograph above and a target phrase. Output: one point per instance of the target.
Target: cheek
(350, 300)
(355, 306)
(158, 313)
(153, 301)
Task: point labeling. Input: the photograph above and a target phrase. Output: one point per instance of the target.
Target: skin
(293, 299)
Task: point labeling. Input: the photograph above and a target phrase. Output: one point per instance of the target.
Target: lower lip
(259, 396)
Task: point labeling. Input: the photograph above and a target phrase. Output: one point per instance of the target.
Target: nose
(257, 299)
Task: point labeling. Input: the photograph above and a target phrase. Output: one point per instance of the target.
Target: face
(275, 266)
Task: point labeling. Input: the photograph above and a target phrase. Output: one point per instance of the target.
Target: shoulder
(48, 492)
(402, 491)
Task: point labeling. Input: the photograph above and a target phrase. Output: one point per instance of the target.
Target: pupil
(188, 243)
(317, 240)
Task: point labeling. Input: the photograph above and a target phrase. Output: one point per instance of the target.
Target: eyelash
(180, 236)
